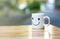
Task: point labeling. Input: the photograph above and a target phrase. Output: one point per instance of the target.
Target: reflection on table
(50, 32)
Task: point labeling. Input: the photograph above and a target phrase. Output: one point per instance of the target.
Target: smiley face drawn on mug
(37, 21)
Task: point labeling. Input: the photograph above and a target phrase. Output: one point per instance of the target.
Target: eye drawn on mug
(37, 23)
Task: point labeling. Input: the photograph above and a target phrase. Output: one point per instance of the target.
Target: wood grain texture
(24, 31)
(13, 31)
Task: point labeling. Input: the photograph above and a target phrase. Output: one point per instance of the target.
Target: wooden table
(15, 32)
(26, 32)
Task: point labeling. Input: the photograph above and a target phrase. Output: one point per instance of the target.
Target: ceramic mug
(38, 20)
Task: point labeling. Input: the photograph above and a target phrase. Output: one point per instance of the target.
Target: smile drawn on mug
(36, 24)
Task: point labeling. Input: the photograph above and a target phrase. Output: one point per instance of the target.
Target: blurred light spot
(51, 1)
(42, 7)
(22, 6)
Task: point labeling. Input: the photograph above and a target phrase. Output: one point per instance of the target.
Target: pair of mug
(38, 20)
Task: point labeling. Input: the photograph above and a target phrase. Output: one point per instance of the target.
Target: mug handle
(48, 21)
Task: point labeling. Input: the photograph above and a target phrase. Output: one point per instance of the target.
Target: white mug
(38, 20)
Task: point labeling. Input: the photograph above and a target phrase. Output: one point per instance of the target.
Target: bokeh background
(18, 12)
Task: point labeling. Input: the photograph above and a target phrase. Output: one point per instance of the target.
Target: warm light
(46, 35)
(48, 32)
(30, 32)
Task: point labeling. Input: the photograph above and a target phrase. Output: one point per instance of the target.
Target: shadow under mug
(38, 20)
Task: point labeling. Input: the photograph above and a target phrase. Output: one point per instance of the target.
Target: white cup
(38, 20)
